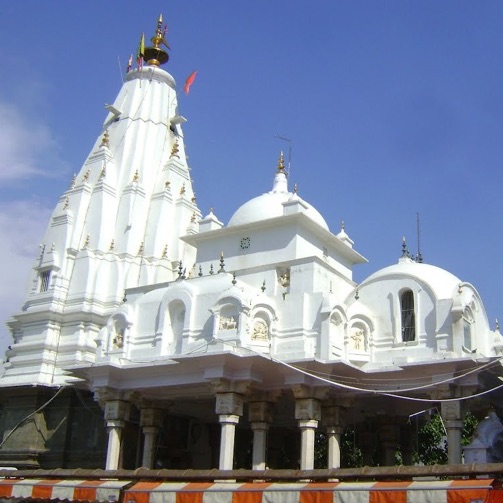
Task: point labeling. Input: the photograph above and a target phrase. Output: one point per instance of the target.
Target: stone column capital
(453, 424)
(335, 430)
(117, 409)
(310, 424)
(229, 403)
(259, 426)
(307, 408)
(228, 419)
(260, 411)
(150, 430)
(150, 417)
(115, 423)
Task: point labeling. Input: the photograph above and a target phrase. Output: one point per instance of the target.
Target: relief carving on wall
(228, 323)
(358, 340)
(284, 278)
(260, 331)
(118, 340)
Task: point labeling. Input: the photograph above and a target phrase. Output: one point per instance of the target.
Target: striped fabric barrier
(459, 491)
(73, 490)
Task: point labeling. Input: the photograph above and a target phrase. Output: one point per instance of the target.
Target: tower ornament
(175, 150)
(156, 55)
(105, 139)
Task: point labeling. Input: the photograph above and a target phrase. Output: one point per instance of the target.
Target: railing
(366, 473)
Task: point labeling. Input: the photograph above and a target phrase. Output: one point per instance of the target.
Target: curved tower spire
(110, 229)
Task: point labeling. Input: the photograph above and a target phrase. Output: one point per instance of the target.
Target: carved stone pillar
(260, 416)
(150, 420)
(407, 444)
(367, 442)
(116, 415)
(389, 436)
(453, 421)
(332, 418)
(229, 407)
(307, 413)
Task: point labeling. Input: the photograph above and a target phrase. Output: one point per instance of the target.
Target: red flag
(189, 81)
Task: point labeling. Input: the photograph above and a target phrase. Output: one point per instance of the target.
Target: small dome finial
(155, 55)
(405, 253)
(281, 163)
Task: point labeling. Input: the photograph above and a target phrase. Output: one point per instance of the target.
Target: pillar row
(333, 417)
(150, 420)
(307, 413)
(260, 417)
(229, 407)
(116, 415)
(452, 416)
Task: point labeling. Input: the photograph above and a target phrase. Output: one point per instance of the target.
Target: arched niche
(174, 326)
(337, 331)
(117, 333)
(359, 339)
(229, 313)
(261, 328)
(170, 313)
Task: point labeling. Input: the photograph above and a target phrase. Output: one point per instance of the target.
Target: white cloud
(28, 149)
(25, 142)
(22, 225)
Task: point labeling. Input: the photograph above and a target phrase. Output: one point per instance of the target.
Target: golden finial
(167, 184)
(67, 203)
(140, 250)
(136, 176)
(72, 183)
(103, 172)
(104, 140)
(86, 175)
(281, 163)
(165, 252)
(175, 150)
(86, 242)
(155, 55)
(112, 245)
(182, 190)
(194, 199)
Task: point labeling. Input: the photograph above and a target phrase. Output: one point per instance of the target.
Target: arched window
(408, 316)
(468, 321)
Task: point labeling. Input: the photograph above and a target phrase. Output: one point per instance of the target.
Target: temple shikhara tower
(155, 335)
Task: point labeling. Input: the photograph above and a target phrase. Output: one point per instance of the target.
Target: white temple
(222, 345)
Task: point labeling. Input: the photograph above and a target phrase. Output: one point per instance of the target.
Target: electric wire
(29, 416)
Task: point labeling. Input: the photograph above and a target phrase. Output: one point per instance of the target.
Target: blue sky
(393, 107)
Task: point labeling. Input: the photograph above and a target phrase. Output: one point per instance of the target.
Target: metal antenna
(419, 257)
(289, 152)
(120, 68)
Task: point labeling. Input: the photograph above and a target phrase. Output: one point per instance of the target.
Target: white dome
(270, 205)
(441, 282)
